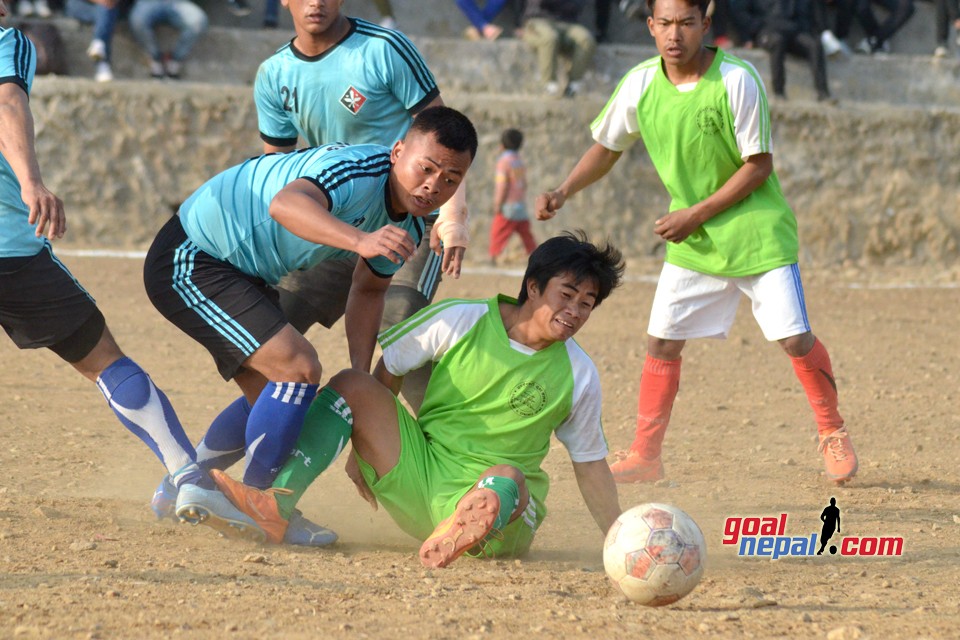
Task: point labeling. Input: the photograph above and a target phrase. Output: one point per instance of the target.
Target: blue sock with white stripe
(273, 428)
(226, 439)
(148, 414)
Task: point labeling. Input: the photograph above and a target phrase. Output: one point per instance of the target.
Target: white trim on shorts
(689, 304)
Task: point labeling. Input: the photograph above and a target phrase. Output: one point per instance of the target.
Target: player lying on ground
(704, 120)
(43, 305)
(466, 476)
(212, 268)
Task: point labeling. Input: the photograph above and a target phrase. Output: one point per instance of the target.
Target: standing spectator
(946, 12)
(103, 15)
(781, 27)
(481, 20)
(510, 197)
(878, 35)
(183, 15)
(551, 27)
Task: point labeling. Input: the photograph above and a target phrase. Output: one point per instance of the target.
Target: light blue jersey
(229, 217)
(364, 90)
(18, 62)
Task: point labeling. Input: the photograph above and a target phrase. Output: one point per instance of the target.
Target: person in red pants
(510, 197)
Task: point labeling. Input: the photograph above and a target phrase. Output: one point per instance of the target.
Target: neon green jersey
(491, 400)
(697, 138)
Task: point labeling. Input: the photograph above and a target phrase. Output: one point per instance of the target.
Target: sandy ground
(82, 557)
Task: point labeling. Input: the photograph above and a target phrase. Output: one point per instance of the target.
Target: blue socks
(225, 440)
(146, 412)
(273, 427)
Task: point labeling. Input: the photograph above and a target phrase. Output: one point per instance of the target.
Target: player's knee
(662, 349)
(506, 471)
(352, 383)
(799, 345)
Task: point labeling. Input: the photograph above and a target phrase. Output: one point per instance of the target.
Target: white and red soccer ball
(654, 553)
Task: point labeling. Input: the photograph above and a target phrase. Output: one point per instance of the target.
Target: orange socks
(816, 376)
(659, 384)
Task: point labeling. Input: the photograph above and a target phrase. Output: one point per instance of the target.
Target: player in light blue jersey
(211, 268)
(348, 80)
(43, 306)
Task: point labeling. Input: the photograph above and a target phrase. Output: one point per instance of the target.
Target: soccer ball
(654, 553)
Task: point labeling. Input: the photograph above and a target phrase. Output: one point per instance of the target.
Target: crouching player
(466, 475)
(211, 269)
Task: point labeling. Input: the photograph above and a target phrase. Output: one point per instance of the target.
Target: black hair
(571, 252)
(699, 4)
(511, 139)
(452, 129)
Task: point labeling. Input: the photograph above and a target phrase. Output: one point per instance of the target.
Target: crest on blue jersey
(353, 100)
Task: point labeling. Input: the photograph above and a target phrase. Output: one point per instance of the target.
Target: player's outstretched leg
(816, 375)
(659, 384)
(465, 529)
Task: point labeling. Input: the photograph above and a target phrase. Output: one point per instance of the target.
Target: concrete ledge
(868, 183)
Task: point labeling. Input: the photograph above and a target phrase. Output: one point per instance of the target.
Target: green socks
(509, 493)
(326, 430)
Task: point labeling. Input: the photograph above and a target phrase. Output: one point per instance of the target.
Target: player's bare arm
(593, 165)
(677, 225)
(363, 314)
(599, 492)
(16, 145)
(303, 209)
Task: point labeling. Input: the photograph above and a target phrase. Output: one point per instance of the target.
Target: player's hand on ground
(388, 241)
(548, 203)
(46, 211)
(353, 472)
(677, 225)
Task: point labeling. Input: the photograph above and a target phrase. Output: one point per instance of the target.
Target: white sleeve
(428, 334)
(582, 432)
(617, 127)
(751, 113)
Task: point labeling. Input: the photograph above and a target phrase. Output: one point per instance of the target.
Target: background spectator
(184, 16)
(481, 19)
(781, 27)
(103, 15)
(879, 34)
(947, 11)
(551, 28)
(510, 197)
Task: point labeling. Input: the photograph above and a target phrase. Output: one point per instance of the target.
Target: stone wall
(868, 183)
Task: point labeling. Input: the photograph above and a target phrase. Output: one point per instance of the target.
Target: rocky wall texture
(869, 184)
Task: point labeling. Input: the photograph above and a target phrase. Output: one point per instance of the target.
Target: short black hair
(512, 139)
(699, 4)
(452, 129)
(571, 252)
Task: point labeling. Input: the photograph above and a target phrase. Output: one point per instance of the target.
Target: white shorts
(689, 304)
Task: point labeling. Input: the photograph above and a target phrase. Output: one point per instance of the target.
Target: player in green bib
(704, 119)
(507, 375)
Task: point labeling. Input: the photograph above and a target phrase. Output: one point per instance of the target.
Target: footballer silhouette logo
(528, 399)
(353, 100)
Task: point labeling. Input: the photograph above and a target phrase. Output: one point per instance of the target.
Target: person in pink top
(510, 197)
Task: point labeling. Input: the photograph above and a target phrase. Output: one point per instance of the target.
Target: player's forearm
(599, 492)
(741, 184)
(451, 225)
(362, 318)
(303, 216)
(387, 379)
(17, 135)
(592, 166)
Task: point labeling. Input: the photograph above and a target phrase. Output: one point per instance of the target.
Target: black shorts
(319, 294)
(227, 311)
(43, 305)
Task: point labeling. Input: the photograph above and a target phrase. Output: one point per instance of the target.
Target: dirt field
(82, 557)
